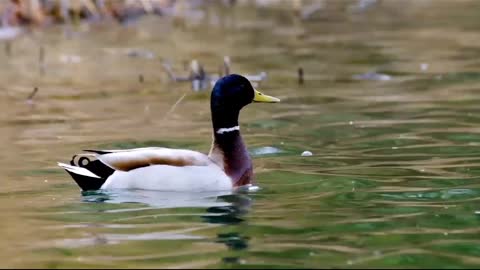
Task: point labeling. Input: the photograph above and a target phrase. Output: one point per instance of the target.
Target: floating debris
(197, 72)
(372, 76)
(198, 85)
(31, 96)
(424, 66)
(141, 79)
(307, 154)
(140, 53)
(202, 80)
(173, 76)
(300, 76)
(256, 78)
(198, 77)
(131, 52)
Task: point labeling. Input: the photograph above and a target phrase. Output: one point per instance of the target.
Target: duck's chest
(229, 150)
(238, 165)
(171, 178)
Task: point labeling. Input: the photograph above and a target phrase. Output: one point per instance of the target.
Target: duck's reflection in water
(222, 211)
(226, 207)
(217, 203)
(239, 205)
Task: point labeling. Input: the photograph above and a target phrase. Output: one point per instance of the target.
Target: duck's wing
(91, 170)
(126, 160)
(103, 151)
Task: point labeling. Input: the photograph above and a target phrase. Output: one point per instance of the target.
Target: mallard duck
(227, 166)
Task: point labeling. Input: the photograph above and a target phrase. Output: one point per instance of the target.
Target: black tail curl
(95, 166)
(80, 161)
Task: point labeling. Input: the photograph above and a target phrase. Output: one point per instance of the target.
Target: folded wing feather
(126, 160)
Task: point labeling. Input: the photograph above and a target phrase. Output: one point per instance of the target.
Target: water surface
(389, 109)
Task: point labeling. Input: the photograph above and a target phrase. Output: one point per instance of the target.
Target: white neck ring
(225, 130)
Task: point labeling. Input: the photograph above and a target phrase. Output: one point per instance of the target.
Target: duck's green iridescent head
(236, 91)
(230, 94)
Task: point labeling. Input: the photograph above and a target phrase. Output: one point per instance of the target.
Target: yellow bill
(260, 97)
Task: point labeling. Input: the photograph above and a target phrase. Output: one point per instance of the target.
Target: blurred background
(383, 93)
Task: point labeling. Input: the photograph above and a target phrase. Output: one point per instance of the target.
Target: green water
(393, 177)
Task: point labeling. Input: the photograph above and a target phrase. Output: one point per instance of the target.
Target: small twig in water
(174, 106)
(300, 76)
(30, 97)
